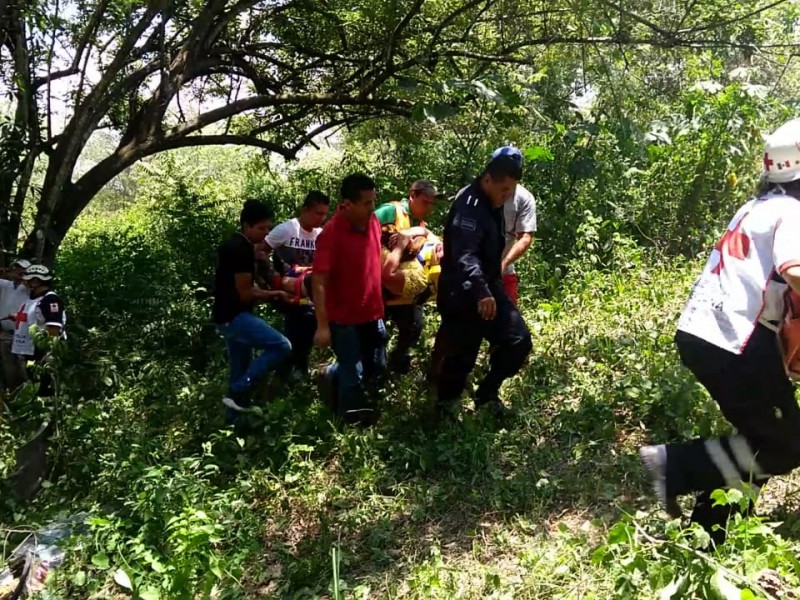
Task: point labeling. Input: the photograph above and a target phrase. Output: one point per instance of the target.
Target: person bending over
(726, 338)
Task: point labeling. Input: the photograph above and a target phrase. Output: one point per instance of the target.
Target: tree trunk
(43, 241)
(62, 202)
(17, 172)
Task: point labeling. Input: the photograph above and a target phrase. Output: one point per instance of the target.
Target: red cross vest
(28, 314)
(741, 285)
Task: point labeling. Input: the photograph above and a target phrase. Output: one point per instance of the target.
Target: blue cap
(508, 151)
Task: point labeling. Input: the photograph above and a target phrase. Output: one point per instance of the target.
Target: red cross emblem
(768, 162)
(735, 243)
(22, 317)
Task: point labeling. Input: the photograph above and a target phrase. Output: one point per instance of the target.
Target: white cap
(40, 272)
(782, 153)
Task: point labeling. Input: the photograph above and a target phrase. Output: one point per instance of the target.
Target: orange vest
(789, 334)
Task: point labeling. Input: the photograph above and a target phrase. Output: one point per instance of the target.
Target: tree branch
(442, 25)
(639, 19)
(284, 120)
(245, 104)
(240, 7)
(220, 140)
(98, 176)
(505, 54)
(398, 30)
(74, 67)
(349, 120)
(734, 20)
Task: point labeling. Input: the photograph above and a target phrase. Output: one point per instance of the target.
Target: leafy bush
(181, 509)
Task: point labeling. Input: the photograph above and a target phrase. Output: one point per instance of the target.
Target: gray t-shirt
(520, 215)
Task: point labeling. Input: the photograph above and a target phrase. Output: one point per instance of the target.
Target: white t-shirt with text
(741, 283)
(294, 245)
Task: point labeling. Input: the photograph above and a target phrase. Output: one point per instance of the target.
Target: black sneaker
(400, 364)
(361, 417)
(497, 409)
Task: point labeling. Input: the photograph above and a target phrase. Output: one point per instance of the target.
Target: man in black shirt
(471, 297)
(235, 295)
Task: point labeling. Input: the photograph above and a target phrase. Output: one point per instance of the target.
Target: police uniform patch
(54, 307)
(468, 224)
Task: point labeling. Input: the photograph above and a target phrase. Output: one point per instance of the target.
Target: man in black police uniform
(472, 300)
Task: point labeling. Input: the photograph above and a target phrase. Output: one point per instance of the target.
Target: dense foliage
(641, 131)
(281, 75)
(178, 507)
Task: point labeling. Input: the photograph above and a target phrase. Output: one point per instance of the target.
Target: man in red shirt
(348, 299)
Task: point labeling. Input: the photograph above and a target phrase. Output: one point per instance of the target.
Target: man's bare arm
(319, 283)
(524, 241)
(322, 337)
(249, 293)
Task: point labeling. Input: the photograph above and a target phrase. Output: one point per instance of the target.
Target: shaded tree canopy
(277, 74)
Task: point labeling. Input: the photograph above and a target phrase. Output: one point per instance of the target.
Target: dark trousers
(461, 333)
(360, 364)
(408, 319)
(39, 374)
(755, 395)
(437, 356)
(299, 324)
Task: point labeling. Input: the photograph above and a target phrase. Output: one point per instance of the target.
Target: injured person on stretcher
(410, 272)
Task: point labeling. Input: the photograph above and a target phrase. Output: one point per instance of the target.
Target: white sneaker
(231, 403)
(654, 459)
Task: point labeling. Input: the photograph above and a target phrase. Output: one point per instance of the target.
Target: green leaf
(100, 560)
(440, 111)
(538, 154)
(487, 93)
(719, 497)
(216, 570)
(79, 579)
(122, 579)
(725, 498)
(619, 534)
(157, 566)
(723, 588)
(673, 590)
(600, 554)
(150, 593)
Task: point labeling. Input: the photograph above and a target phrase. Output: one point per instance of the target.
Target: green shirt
(387, 213)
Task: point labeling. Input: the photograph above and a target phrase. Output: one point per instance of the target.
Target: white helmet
(782, 153)
(21, 263)
(39, 272)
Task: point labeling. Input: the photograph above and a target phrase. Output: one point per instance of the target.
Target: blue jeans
(243, 335)
(360, 360)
